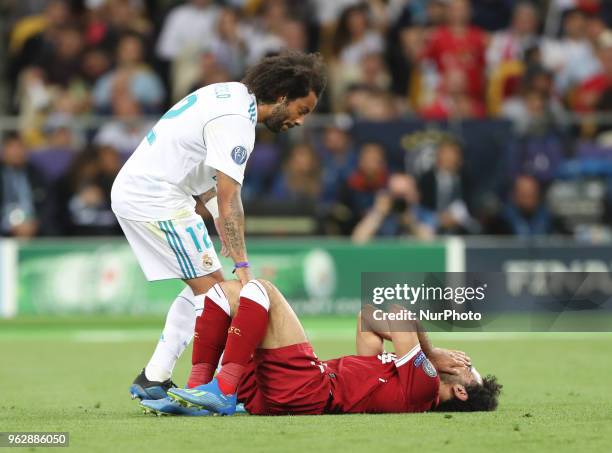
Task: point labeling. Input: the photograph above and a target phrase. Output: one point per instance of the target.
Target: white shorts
(178, 248)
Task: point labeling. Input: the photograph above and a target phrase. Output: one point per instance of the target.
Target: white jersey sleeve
(229, 142)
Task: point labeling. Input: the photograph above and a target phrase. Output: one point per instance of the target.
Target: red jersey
(293, 381)
(383, 384)
(464, 52)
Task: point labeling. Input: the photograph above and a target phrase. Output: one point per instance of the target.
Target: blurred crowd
(544, 66)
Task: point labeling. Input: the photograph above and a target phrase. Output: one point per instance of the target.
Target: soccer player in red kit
(281, 374)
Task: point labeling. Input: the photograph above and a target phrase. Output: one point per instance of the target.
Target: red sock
(201, 373)
(246, 332)
(208, 342)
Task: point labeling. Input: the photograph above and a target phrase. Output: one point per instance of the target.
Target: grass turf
(73, 374)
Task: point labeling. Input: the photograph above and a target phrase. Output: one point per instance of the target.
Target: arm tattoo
(233, 228)
(208, 195)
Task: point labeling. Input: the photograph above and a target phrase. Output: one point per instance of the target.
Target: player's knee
(231, 288)
(269, 287)
(259, 291)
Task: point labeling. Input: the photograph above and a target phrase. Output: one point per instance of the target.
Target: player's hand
(224, 250)
(447, 361)
(244, 275)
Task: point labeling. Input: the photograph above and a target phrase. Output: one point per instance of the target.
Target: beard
(279, 115)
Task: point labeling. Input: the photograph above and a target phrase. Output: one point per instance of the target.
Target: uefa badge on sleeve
(429, 368)
(239, 155)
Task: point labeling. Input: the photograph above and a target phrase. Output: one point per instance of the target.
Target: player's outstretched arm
(231, 220)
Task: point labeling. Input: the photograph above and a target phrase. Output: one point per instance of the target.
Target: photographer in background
(396, 213)
(22, 193)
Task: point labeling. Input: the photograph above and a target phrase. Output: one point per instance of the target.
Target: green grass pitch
(73, 375)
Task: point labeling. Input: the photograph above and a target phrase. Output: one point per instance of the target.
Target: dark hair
(342, 34)
(11, 137)
(480, 398)
(291, 74)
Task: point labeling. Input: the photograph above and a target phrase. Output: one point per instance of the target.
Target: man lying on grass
(270, 367)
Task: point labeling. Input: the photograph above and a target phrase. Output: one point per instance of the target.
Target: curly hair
(290, 74)
(480, 398)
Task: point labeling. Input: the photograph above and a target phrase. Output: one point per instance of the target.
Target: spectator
(373, 72)
(131, 77)
(571, 58)
(459, 47)
(396, 213)
(61, 63)
(339, 161)
(328, 13)
(94, 64)
(230, 45)
(353, 40)
(210, 71)
(265, 35)
(359, 190)
(525, 214)
(28, 45)
(22, 191)
(126, 130)
(535, 106)
(83, 195)
(590, 92)
(62, 142)
(294, 35)
(371, 105)
(511, 44)
(301, 176)
(453, 99)
(355, 37)
(444, 191)
(108, 20)
(187, 29)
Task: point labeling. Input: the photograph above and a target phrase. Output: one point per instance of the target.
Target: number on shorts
(205, 238)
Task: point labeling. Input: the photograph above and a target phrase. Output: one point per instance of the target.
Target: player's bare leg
(155, 379)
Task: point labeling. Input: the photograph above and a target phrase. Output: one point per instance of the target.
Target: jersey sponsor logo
(239, 155)
(429, 368)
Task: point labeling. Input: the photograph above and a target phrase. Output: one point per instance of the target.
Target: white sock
(177, 333)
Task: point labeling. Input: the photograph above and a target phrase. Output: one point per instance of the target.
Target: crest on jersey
(429, 368)
(207, 261)
(239, 155)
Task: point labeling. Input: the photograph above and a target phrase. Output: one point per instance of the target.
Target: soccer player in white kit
(200, 148)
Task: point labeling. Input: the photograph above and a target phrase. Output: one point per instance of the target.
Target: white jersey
(211, 129)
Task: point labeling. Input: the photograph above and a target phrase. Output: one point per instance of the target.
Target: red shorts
(289, 380)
